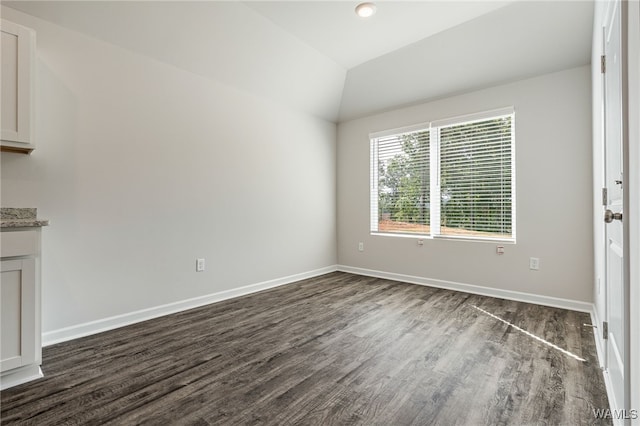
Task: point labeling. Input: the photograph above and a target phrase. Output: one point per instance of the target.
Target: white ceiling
(319, 57)
(333, 28)
(224, 41)
(519, 41)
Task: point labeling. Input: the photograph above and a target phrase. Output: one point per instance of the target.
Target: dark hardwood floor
(334, 350)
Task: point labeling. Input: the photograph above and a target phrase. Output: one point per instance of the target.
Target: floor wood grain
(340, 349)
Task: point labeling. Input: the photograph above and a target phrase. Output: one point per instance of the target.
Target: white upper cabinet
(17, 90)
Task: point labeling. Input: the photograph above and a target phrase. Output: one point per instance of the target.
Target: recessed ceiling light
(365, 10)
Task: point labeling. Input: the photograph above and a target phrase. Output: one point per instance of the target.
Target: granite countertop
(20, 218)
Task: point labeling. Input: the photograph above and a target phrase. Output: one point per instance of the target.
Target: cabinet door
(17, 313)
(18, 60)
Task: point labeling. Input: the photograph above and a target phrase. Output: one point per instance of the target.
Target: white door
(614, 182)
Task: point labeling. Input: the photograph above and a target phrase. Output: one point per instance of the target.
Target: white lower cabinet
(20, 339)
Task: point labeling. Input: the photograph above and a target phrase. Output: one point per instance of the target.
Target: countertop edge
(23, 223)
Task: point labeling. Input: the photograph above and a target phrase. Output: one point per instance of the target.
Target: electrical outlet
(500, 250)
(420, 242)
(360, 246)
(199, 265)
(534, 263)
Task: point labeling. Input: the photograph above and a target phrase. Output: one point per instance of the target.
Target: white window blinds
(453, 178)
(403, 182)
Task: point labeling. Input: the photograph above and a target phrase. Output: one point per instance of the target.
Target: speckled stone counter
(11, 217)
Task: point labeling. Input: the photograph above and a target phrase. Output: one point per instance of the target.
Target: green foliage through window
(404, 179)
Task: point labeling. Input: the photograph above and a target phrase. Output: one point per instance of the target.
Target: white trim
(419, 236)
(19, 376)
(597, 335)
(600, 347)
(420, 127)
(555, 302)
(105, 324)
(633, 64)
(470, 118)
(514, 176)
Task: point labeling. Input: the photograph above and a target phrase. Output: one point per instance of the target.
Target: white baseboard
(19, 376)
(105, 324)
(555, 302)
(597, 335)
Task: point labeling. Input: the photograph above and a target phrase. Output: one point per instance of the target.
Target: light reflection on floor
(556, 347)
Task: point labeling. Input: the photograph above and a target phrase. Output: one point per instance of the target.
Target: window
(451, 178)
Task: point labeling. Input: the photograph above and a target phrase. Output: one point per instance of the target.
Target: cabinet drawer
(18, 243)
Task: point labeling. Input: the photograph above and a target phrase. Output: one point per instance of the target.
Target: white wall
(225, 41)
(142, 167)
(553, 184)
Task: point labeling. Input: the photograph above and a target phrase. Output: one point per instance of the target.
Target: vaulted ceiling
(320, 58)
(336, 31)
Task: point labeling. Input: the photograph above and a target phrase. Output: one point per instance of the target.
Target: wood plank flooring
(339, 349)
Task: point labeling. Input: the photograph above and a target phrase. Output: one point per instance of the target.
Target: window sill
(446, 237)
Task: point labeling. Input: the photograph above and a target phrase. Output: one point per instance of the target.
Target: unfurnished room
(320, 212)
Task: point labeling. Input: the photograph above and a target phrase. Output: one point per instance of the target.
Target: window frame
(435, 174)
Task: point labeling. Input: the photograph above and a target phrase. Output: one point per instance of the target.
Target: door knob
(610, 216)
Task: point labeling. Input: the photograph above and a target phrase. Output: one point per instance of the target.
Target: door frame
(631, 148)
(616, 285)
(626, 118)
(631, 97)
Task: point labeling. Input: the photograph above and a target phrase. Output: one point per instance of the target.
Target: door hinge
(605, 196)
(605, 330)
(603, 64)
